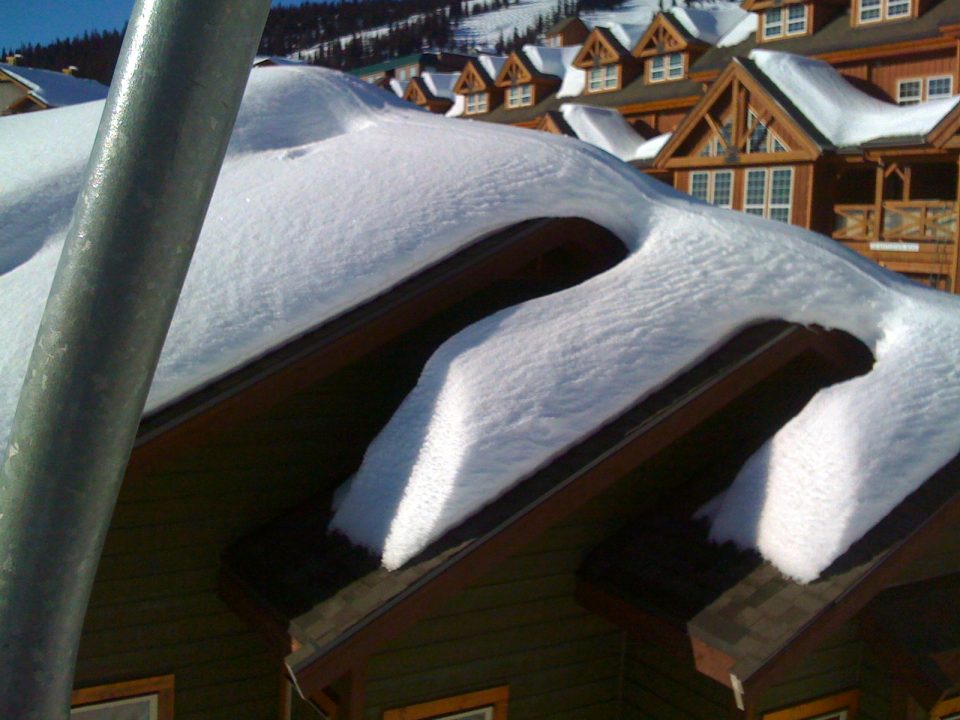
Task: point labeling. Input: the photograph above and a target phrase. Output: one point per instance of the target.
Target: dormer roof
(600, 48)
(665, 35)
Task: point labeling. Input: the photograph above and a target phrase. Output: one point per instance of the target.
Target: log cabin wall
(885, 73)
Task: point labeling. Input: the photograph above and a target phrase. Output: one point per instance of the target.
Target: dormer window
(520, 95)
(879, 10)
(666, 67)
(788, 21)
(603, 78)
(477, 103)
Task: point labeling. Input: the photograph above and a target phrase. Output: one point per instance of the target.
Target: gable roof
(744, 73)
(54, 89)
(664, 35)
(600, 47)
(338, 604)
(473, 78)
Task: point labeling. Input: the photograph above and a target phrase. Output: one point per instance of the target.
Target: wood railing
(923, 220)
(917, 237)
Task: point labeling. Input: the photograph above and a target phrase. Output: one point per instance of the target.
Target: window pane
(773, 22)
(780, 187)
(656, 68)
(796, 19)
(756, 188)
(142, 708)
(698, 185)
(908, 92)
(781, 214)
(869, 10)
(758, 138)
(722, 187)
(610, 81)
(778, 146)
(898, 8)
(939, 87)
(596, 81)
(676, 65)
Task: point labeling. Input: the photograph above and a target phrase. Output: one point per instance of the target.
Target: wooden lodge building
(585, 592)
(893, 199)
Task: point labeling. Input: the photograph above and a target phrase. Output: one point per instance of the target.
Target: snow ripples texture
(333, 191)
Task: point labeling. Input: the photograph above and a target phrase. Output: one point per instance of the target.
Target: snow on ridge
(608, 130)
(845, 115)
(491, 64)
(440, 83)
(303, 226)
(709, 23)
(743, 30)
(56, 89)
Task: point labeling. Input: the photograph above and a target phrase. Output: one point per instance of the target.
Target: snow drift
(311, 216)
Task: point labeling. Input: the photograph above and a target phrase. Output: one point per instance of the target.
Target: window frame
(478, 107)
(931, 78)
(910, 101)
(604, 82)
(882, 9)
(782, 26)
(845, 702)
(767, 206)
(710, 177)
(524, 98)
(651, 69)
(161, 686)
(448, 708)
(769, 34)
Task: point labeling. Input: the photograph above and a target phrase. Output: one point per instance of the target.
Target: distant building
(25, 89)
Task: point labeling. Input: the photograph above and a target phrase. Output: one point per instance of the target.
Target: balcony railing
(916, 220)
(917, 237)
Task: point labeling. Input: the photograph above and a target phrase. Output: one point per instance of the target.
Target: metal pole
(162, 138)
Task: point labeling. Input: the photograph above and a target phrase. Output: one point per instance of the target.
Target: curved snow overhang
(358, 605)
(333, 344)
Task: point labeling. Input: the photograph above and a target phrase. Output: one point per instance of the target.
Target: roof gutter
(161, 142)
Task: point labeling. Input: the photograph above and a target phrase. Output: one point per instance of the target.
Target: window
(791, 20)
(482, 705)
(761, 139)
(520, 96)
(939, 87)
(768, 193)
(909, 92)
(605, 77)
(477, 103)
(148, 699)
(773, 23)
(666, 67)
(713, 186)
(835, 707)
(878, 10)
(714, 147)
(656, 69)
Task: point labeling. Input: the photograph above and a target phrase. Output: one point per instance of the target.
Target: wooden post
(878, 201)
(955, 249)
(907, 177)
(355, 697)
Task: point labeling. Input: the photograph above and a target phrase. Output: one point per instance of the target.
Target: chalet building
(477, 85)
(569, 31)
(406, 67)
(26, 89)
(585, 592)
(432, 91)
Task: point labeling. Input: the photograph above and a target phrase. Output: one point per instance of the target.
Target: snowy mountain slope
(310, 217)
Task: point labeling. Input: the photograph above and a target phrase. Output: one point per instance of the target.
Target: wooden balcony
(915, 237)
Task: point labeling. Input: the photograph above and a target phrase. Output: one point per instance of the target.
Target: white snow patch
(711, 22)
(605, 128)
(310, 217)
(845, 115)
(743, 30)
(440, 84)
(492, 64)
(56, 89)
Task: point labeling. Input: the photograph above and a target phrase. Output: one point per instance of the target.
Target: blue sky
(42, 21)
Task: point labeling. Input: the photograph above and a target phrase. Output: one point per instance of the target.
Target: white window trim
(784, 24)
(931, 78)
(904, 81)
(711, 176)
(606, 81)
(480, 103)
(806, 20)
(765, 206)
(517, 98)
(663, 69)
(682, 69)
(769, 34)
(884, 12)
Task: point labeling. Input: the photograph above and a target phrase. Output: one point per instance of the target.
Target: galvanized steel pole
(162, 138)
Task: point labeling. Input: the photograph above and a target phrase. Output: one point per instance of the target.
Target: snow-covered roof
(309, 219)
(56, 89)
(491, 64)
(710, 22)
(260, 60)
(626, 33)
(743, 30)
(845, 115)
(551, 60)
(606, 129)
(440, 84)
